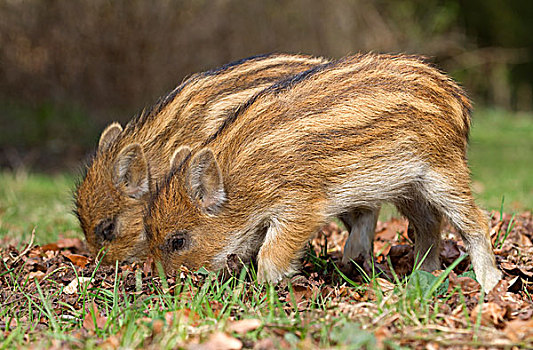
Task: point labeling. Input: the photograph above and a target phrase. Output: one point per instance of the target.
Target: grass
(198, 306)
(196, 309)
(29, 201)
(501, 159)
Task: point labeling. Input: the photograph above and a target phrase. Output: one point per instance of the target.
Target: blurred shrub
(111, 58)
(48, 136)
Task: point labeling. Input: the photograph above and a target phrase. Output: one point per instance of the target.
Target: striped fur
(337, 140)
(128, 163)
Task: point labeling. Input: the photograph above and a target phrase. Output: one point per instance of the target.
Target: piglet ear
(204, 181)
(179, 156)
(130, 172)
(109, 135)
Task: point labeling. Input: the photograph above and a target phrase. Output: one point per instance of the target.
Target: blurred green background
(67, 68)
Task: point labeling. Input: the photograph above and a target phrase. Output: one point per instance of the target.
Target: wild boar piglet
(130, 161)
(337, 140)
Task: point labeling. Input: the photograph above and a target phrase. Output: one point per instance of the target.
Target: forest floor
(57, 296)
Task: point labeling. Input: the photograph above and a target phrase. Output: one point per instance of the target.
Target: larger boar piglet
(341, 138)
(129, 162)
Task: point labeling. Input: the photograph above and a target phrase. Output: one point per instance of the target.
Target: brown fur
(337, 140)
(129, 162)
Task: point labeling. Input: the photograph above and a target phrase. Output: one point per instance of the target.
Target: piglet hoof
(489, 278)
(268, 272)
(268, 275)
(356, 266)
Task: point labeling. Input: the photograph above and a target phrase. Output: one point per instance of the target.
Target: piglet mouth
(234, 263)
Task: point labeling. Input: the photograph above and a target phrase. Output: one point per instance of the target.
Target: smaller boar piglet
(129, 162)
(335, 141)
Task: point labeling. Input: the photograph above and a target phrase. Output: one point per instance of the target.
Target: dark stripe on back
(162, 102)
(287, 83)
(278, 87)
(228, 89)
(220, 69)
(157, 107)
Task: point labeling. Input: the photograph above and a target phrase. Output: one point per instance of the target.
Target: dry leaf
(73, 285)
(515, 285)
(89, 321)
(432, 346)
(51, 246)
(12, 324)
(36, 274)
(449, 251)
(158, 326)
(219, 341)
(66, 243)
(244, 326)
(264, 344)
(494, 232)
(183, 316)
(112, 342)
(468, 285)
(519, 330)
(491, 313)
(49, 254)
(393, 226)
(78, 260)
(381, 334)
(385, 285)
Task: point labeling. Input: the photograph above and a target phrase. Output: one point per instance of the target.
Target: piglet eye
(176, 242)
(106, 229)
